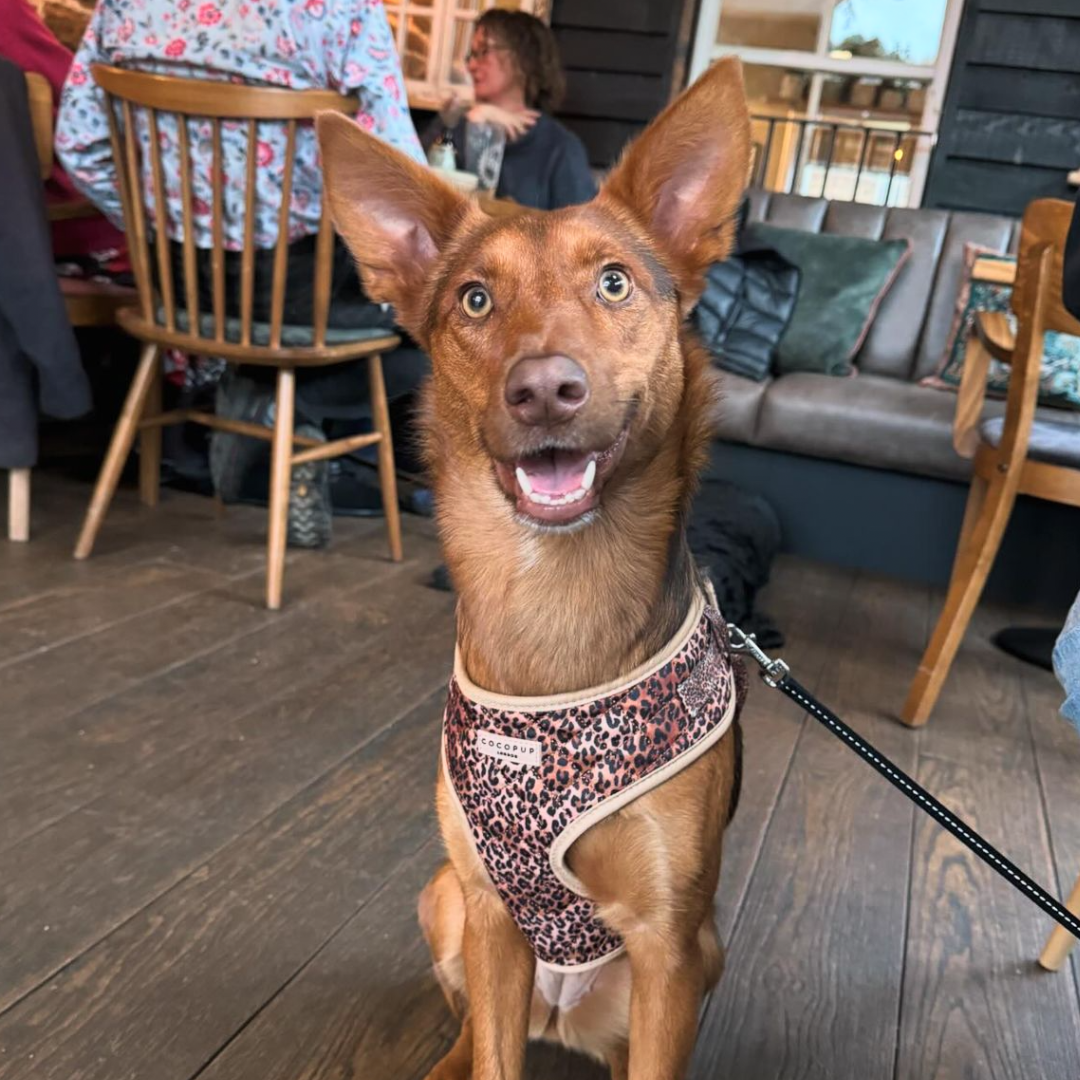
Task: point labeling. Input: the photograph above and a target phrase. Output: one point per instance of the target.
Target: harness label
(520, 752)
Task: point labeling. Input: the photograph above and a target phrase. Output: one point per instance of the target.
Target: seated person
(298, 44)
(517, 78)
(29, 44)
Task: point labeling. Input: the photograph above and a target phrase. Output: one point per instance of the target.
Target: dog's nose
(546, 390)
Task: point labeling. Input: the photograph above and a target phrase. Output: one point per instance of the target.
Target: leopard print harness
(531, 775)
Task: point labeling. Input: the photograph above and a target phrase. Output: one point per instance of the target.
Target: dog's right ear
(393, 213)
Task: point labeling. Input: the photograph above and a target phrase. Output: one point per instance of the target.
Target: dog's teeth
(540, 497)
(523, 480)
(590, 475)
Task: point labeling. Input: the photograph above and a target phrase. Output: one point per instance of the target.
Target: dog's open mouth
(558, 486)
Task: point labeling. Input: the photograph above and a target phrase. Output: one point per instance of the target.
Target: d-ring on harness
(777, 674)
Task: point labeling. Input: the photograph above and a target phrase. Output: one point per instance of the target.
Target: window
(846, 94)
(433, 37)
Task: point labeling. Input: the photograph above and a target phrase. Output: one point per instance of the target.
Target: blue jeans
(1067, 664)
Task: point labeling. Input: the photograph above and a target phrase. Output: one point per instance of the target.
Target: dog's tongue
(556, 472)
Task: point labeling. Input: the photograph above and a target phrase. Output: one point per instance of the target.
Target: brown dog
(566, 420)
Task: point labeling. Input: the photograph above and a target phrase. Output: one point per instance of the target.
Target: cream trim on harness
(507, 702)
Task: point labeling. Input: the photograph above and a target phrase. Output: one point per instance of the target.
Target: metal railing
(845, 162)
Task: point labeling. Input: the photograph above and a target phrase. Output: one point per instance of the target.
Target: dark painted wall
(623, 60)
(1010, 131)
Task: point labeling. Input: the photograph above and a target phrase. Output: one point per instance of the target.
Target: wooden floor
(214, 822)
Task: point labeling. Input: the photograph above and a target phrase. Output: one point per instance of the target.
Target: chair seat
(292, 337)
(1052, 442)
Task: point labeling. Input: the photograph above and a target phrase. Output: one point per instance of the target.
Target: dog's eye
(614, 285)
(476, 301)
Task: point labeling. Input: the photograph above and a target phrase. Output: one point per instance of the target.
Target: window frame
(706, 49)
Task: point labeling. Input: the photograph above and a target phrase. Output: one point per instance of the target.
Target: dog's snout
(546, 390)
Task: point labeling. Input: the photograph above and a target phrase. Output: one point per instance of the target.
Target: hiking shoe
(232, 457)
(311, 514)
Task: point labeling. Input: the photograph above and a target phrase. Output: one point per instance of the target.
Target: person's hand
(451, 110)
(515, 124)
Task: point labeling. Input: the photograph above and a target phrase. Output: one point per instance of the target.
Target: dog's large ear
(685, 175)
(393, 213)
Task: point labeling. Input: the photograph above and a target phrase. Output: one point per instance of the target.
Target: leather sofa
(881, 417)
(862, 470)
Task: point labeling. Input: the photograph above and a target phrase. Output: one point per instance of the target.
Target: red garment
(27, 42)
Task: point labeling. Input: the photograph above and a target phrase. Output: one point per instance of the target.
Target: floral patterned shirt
(344, 45)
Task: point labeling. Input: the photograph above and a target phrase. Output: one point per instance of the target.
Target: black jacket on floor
(39, 357)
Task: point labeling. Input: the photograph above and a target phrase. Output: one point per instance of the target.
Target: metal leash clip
(773, 672)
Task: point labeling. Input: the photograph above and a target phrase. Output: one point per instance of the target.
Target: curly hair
(533, 51)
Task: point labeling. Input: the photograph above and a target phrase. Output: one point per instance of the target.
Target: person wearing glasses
(517, 80)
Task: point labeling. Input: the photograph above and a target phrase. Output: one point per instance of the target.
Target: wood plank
(610, 50)
(164, 992)
(642, 16)
(185, 529)
(367, 1006)
(1049, 142)
(1019, 41)
(88, 872)
(982, 703)
(1065, 8)
(990, 187)
(64, 614)
(808, 601)
(612, 96)
(813, 971)
(57, 771)
(975, 1004)
(142, 647)
(1008, 90)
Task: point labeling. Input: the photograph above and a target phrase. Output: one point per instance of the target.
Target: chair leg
(387, 476)
(123, 438)
(19, 505)
(970, 571)
(1060, 943)
(280, 476)
(150, 444)
(973, 508)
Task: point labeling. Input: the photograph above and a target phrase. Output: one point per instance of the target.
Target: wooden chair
(173, 318)
(1015, 455)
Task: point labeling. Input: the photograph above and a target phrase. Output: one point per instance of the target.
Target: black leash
(777, 674)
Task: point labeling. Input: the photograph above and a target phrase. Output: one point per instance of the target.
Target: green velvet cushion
(843, 281)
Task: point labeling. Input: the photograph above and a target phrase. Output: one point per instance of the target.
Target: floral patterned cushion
(1061, 352)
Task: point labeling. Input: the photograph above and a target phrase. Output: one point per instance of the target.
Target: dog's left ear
(685, 175)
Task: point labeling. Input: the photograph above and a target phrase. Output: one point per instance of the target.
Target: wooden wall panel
(1010, 130)
(623, 60)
